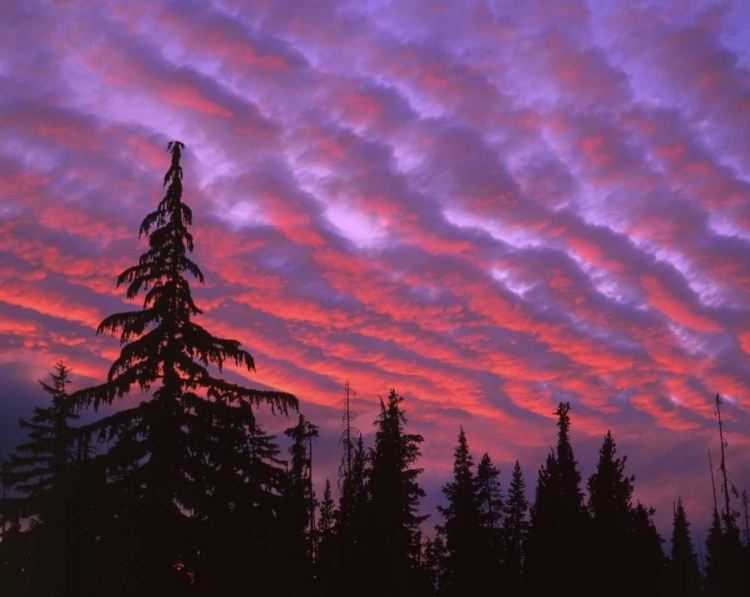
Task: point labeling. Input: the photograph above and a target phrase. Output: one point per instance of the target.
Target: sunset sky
(491, 207)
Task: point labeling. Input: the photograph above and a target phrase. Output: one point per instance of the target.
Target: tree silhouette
(299, 513)
(645, 565)
(46, 471)
(684, 575)
(557, 534)
(515, 530)
(351, 522)
(157, 458)
(610, 504)
(392, 540)
(725, 570)
(714, 563)
(490, 514)
(327, 513)
(462, 532)
(327, 563)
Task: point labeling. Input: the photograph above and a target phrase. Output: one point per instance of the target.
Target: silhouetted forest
(186, 493)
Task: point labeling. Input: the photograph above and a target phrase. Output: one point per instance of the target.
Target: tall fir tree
(489, 495)
(715, 572)
(46, 472)
(558, 527)
(462, 530)
(327, 516)
(392, 541)
(569, 478)
(646, 562)
(515, 531)
(610, 504)
(327, 561)
(156, 457)
(543, 536)
(351, 522)
(299, 514)
(684, 578)
(490, 504)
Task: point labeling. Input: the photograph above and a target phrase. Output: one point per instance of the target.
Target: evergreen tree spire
(570, 478)
(346, 439)
(490, 515)
(461, 529)
(610, 504)
(684, 575)
(157, 458)
(351, 520)
(558, 519)
(715, 571)
(327, 562)
(160, 343)
(489, 494)
(515, 530)
(645, 565)
(39, 465)
(393, 505)
(327, 512)
(43, 470)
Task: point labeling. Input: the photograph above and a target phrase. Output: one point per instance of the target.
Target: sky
(491, 207)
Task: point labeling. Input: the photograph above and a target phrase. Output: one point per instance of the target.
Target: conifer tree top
(161, 344)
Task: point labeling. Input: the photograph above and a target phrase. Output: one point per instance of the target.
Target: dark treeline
(186, 494)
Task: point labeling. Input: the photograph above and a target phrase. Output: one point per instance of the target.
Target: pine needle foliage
(393, 539)
(162, 451)
(40, 465)
(45, 476)
(161, 342)
(515, 529)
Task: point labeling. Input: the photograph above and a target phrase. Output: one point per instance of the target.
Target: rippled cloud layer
(490, 206)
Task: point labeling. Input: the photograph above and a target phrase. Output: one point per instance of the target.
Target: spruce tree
(156, 458)
(462, 531)
(646, 562)
(543, 536)
(392, 541)
(491, 573)
(489, 495)
(351, 522)
(327, 512)
(515, 531)
(45, 471)
(569, 478)
(558, 526)
(353, 495)
(42, 464)
(327, 562)
(299, 514)
(715, 572)
(684, 575)
(610, 504)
